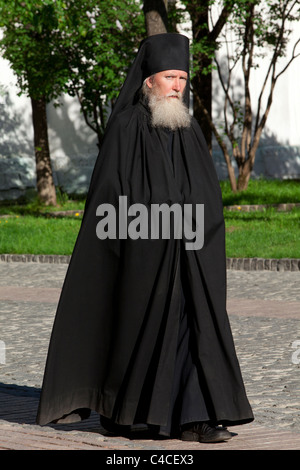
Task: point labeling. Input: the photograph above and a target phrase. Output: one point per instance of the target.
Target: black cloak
(117, 336)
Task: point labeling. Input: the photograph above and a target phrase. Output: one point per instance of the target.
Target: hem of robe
(83, 408)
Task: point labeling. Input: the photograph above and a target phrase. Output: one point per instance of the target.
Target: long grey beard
(167, 112)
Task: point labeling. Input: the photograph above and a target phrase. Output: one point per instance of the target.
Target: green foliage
(267, 20)
(82, 48)
(99, 41)
(202, 45)
(29, 28)
(271, 21)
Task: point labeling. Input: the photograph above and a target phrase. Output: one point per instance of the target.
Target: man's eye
(171, 77)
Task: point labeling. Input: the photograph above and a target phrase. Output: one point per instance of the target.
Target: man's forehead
(173, 72)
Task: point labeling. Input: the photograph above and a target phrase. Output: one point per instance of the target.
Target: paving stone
(264, 312)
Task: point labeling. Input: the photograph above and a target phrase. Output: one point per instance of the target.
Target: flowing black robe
(115, 340)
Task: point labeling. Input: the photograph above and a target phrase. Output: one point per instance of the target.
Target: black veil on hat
(166, 51)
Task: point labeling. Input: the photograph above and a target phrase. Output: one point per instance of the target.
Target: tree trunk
(202, 86)
(201, 82)
(244, 176)
(245, 167)
(45, 185)
(213, 130)
(156, 17)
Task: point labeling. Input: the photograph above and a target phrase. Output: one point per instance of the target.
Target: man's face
(169, 83)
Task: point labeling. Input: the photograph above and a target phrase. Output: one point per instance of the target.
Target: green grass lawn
(266, 234)
(262, 192)
(38, 235)
(263, 234)
(34, 208)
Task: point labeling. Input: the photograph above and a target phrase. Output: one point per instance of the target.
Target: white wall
(73, 146)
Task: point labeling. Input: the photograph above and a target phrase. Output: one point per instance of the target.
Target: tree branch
(224, 15)
(247, 66)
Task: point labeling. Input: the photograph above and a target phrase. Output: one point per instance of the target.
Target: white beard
(167, 112)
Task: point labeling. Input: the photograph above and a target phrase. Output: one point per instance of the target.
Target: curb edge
(239, 264)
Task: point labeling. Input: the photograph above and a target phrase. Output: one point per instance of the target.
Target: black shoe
(113, 428)
(203, 432)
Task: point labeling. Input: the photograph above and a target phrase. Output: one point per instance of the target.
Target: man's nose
(176, 84)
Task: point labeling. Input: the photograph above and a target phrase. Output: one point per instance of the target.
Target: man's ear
(149, 82)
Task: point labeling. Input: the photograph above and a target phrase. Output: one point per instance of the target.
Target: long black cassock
(126, 304)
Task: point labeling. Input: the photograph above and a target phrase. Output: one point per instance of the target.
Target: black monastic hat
(165, 52)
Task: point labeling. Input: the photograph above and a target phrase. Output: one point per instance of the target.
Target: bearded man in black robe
(141, 333)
